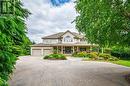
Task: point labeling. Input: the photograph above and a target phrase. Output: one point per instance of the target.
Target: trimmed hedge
(55, 57)
(122, 53)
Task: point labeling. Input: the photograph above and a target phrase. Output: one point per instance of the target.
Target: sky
(49, 17)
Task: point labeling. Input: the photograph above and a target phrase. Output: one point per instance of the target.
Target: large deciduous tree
(104, 22)
(12, 38)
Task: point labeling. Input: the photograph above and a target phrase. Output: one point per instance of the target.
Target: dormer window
(68, 39)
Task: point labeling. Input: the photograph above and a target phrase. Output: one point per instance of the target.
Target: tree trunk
(102, 50)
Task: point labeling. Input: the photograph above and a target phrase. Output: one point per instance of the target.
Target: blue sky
(48, 18)
(59, 2)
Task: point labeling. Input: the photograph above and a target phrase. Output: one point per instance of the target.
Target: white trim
(31, 50)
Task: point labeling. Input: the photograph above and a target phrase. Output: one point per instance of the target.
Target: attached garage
(41, 51)
(36, 52)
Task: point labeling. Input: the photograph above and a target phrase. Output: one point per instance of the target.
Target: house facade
(63, 42)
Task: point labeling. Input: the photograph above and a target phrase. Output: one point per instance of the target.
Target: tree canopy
(104, 22)
(13, 39)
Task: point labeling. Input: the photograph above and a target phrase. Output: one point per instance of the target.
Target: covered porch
(71, 49)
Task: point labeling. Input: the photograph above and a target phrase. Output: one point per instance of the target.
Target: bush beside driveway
(34, 71)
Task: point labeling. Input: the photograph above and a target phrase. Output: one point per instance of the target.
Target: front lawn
(122, 62)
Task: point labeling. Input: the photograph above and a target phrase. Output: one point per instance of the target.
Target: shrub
(123, 53)
(107, 50)
(46, 57)
(93, 55)
(55, 51)
(55, 56)
(113, 59)
(75, 54)
(108, 57)
(3, 82)
(105, 56)
(79, 54)
(96, 53)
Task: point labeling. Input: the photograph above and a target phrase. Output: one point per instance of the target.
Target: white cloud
(47, 19)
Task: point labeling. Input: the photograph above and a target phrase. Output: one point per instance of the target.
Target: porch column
(62, 49)
(42, 51)
(57, 49)
(90, 48)
(87, 49)
(73, 49)
(31, 50)
(77, 48)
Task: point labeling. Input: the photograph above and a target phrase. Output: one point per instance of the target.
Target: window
(68, 39)
(82, 49)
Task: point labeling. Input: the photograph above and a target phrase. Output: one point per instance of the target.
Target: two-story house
(63, 42)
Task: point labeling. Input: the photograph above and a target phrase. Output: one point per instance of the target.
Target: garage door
(36, 52)
(47, 51)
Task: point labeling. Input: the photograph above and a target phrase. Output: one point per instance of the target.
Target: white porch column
(73, 49)
(87, 48)
(62, 49)
(42, 51)
(77, 48)
(31, 51)
(57, 50)
(90, 48)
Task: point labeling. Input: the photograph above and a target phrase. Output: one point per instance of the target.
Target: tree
(12, 35)
(104, 22)
(33, 42)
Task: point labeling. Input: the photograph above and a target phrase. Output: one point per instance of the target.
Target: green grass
(122, 62)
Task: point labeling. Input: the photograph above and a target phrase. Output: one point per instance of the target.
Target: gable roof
(60, 34)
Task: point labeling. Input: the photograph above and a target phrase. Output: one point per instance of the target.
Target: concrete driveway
(34, 71)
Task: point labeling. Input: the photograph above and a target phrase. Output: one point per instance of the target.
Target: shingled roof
(58, 44)
(60, 34)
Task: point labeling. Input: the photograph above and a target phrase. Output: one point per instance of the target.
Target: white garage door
(47, 51)
(36, 52)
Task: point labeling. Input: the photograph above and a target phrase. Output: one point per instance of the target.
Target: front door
(68, 50)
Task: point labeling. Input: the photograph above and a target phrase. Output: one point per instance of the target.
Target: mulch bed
(127, 77)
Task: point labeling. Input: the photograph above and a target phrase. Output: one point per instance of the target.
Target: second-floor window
(68, 39)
